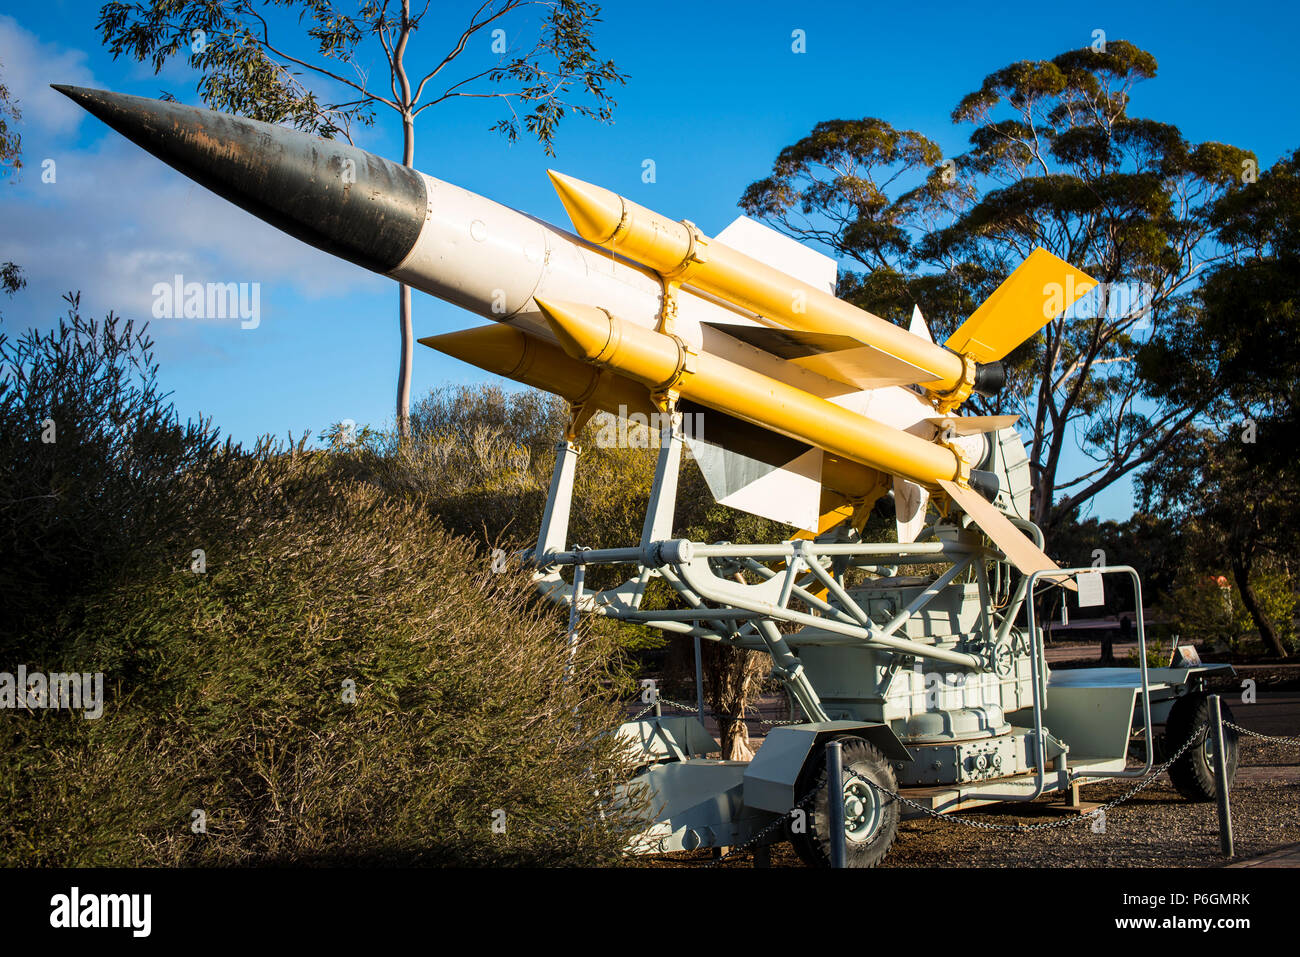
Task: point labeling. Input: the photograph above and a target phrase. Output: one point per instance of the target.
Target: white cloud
(115, 221)
(30, 66)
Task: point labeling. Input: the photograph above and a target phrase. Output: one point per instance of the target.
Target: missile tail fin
(1039, 290)
(757, 472)
(918, 326)
(911, 502)
(841, 358)
(1024, 554)
(780, 252)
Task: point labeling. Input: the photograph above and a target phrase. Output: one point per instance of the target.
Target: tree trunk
(404, 368)
(1267, 632)
(731, 679)
(404, 291)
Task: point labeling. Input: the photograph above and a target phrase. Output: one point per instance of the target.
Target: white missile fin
(898, 408)
(837, 357)
(866, 367)
(972, 424)
(1024, 554)
(918, 326)
(791, 494)
(780, 252)
(910, 504)
(788, 493)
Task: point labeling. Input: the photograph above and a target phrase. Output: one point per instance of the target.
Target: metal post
(699, 679)
(555, 520)
(574, 615)
(1221, 776)
(835, 802)
(658, 523)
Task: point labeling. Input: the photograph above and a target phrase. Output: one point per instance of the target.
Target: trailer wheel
(1193, 773)
(870, 818)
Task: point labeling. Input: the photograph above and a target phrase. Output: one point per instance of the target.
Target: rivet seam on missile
(597, 380)
(667, 386)
(614, 337)
(621, 227)
(952, 399)
(696, 243)
(525, 358)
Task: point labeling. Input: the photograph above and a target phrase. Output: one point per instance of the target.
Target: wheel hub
(862, 809)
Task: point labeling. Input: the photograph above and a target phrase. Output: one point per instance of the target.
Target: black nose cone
(361, 207)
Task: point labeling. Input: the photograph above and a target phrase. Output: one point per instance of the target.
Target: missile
(506, 351)
(659, 362)
(814, 394)
(446, 241)
(967, 362)
(475, 253)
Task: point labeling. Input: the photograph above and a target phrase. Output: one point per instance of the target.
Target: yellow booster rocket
(681, 253)
(663, 364)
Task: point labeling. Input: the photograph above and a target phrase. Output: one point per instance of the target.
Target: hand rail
(1037, 639)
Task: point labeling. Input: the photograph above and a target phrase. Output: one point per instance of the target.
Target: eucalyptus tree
(1058, 160)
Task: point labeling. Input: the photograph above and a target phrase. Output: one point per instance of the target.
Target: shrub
(229, 697)
(95, 465)
(1216, 617)
(229, 678)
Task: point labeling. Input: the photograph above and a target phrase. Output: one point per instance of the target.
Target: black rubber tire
(862, 760)
(1193, 773)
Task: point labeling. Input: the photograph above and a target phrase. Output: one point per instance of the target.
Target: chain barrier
(730, 717)
(1141, 785)
(1291, 742)
(800, 805)
(643, 712)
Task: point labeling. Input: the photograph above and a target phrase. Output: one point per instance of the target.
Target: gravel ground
(1158, 828)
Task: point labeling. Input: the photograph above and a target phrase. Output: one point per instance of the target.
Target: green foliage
(227, 677)
(1257, 362)
(229, 697)
(843, 171)
(11, 140)
(99, 472)
(1152, 544)
(11, 278)
(1236, 513)
(11, 160)
(252, 59)
(480, 460)
(1208, 609)
(1234, 481)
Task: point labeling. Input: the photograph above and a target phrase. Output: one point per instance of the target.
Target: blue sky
(712, 97)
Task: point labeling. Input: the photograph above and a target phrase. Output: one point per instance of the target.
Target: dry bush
(228, 697)
(94, 457)
(226, 689)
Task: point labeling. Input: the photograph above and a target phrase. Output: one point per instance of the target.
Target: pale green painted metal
(925, 669)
